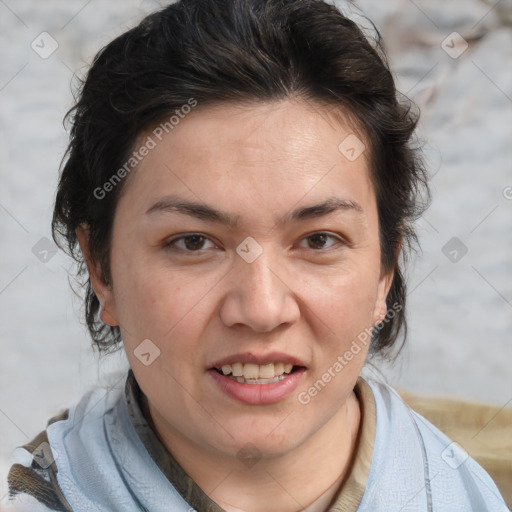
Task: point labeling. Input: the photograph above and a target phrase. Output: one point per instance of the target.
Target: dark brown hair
(237, 51)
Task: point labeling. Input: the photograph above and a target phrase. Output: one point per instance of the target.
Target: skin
(306, 297)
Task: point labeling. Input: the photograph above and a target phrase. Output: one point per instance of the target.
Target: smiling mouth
(250, 373)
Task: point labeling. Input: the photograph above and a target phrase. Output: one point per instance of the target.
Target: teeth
(251, 371)
(278, 368)
(255, 371)
(237, 369)
(259, 381)
(266, 371)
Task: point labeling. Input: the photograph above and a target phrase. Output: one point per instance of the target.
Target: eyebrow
(171, 204)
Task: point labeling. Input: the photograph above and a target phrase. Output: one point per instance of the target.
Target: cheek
(159, 303)
(345, 301)
(140, 294)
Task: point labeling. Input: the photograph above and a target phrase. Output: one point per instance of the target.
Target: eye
(194, 242)
(319, 240)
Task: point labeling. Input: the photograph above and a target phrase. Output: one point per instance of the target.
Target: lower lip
(258, 394)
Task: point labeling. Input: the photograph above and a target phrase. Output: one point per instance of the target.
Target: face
(246, 243)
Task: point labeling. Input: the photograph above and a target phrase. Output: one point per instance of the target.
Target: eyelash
(171, 244)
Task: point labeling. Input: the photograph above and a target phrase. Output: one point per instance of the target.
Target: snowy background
(453, 57)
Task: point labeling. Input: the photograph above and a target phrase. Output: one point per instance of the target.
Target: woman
(238, 190)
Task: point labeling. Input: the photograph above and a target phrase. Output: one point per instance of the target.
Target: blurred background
(452, 57)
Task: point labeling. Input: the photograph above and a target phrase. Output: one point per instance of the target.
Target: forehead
(262, 154)
(258, 133)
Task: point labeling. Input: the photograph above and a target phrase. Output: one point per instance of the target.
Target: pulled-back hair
(237, 51)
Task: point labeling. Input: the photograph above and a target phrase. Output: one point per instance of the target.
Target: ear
(385, 281)
(380, 310)
(102, 290)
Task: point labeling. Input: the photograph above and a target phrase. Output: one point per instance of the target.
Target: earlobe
(380, 314)
(102, 290)
(107, 317)
(381, 309)
(385, 282)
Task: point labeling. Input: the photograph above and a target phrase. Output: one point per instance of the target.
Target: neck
(306, 478)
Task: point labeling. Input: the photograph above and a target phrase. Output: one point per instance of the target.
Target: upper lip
(260, 359)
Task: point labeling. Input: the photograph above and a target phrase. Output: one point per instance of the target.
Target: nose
(259, 296)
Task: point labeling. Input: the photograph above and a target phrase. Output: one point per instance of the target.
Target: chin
(262, 438)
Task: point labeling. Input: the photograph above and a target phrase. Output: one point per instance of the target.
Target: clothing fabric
(103, 455)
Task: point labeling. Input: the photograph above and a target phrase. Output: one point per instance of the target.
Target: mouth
(257, 380)
(251, 373)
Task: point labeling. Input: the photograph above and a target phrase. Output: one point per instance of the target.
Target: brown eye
(320, 240)
(189, 243)
(194, 242)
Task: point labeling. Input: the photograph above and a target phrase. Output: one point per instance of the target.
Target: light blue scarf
(104, 467)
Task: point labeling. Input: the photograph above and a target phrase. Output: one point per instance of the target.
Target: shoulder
(98, 462)
(424, 468)
(32, 481)
(35, 478)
